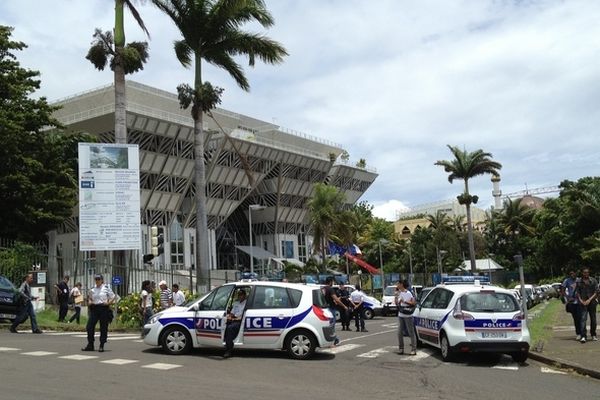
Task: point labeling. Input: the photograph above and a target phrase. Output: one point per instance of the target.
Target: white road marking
(161, 366)
(421, 354)
(78, 357)
(340, 349)
(139, 341)
(119, 361)
(362, 335)
(9, 349)
(112, 338)
(547, 370)
(389, 325)
(39, 353)
(509, 366)
(374, 353)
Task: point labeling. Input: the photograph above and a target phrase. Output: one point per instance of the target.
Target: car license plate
(493, 335)
(8, 316)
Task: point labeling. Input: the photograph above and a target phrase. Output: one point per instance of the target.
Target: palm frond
(136, 16)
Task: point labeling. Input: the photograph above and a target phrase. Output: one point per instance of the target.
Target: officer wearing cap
(100, 297)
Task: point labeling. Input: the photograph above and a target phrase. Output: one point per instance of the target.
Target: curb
(564, 365)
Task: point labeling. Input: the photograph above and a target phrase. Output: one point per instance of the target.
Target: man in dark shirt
(587, 292)
(332, 301)
(62, 294)
(344, 296)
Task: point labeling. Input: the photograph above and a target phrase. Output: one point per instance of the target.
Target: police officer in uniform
(100, 297)
(234, 321)
(344, 296)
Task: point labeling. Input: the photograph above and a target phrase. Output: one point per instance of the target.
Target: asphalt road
(363, 366)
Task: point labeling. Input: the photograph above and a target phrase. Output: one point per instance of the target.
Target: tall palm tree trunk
(120, 117)
(470, 230)
(202, 259)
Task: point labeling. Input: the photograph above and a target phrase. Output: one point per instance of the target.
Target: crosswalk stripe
(78, 357)
(342, 348)
(39, 353)
(374, 353)
(119, 361)
(507, 366)
(9, 349)
(161, 366)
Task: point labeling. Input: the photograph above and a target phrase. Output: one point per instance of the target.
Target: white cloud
(393, 83)
(389, 209)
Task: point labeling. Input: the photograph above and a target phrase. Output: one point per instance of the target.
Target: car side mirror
(196, 307)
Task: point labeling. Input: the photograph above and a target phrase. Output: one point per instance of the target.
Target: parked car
(469, 318)
(9, 296)
(278, 315)
(371, 306)
(532, 298)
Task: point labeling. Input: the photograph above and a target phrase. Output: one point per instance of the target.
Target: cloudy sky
(392, 81)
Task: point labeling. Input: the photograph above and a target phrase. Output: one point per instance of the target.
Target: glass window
(6, 284)
(218, 299)
(429, 299)
(488, 302)
(271, 297)
(176, 238)
(442, 299)
(319, 299)
(287, 248)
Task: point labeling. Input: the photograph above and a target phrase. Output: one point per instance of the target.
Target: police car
(371, 306)
(464, 318)
(288, 316)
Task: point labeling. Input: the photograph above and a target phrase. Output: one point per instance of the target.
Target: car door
(432, 313)
(268, 315)
(209, 320)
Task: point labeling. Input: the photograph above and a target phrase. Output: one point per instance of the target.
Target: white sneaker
(594, 338)
(582, 340)
(578, 337)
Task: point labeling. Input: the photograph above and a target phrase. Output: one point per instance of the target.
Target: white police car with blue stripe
(278, 315)
(465, 318)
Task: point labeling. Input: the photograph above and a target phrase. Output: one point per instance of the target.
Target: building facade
(248, 162)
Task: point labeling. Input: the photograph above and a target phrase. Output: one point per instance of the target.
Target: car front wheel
(368, 313)
(176, 341)
(301, 344)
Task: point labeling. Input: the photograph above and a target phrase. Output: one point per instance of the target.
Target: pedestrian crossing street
(357, 350)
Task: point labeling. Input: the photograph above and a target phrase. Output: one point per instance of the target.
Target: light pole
(490, 255)
(384, 241)
(519, 260)
(252, 207)
(440, 256)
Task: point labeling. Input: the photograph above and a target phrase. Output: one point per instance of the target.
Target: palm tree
(124, 59)
(211, 33)
(324, 207)
(516, 217)
(465, 166)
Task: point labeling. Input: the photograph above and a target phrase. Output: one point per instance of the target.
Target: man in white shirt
(357, 298)
(234, 321)
(178, 296)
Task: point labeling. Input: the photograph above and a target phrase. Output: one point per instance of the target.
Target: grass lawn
(540, 327)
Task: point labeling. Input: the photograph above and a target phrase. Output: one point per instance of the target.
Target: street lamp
(440, 255)
(252, 207)
(384, 241)
(490, 255)
(519, 260)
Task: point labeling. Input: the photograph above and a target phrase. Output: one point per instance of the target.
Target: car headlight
(153, 319)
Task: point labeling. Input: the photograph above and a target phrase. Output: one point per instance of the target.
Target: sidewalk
(563, 351)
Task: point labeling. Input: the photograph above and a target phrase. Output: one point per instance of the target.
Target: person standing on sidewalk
(587, 292)
(166, 296)
(27, 307)
(332, 301)
(62, 295)
(568, 292)
(77, 297)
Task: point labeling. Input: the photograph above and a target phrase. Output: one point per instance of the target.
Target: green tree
(38, 187)
(324, 206)
(467, 165)
(211, 31)
(123, 59)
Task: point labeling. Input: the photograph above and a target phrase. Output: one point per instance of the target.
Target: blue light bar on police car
(465, 279)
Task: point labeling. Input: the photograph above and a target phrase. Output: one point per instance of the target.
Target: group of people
(69, 298)
(581, 298)
(349, 305)
(167, 298)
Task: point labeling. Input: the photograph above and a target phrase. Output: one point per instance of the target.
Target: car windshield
(390, 291)
(488, 301)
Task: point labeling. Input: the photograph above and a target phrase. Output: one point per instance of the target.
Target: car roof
(467, 288)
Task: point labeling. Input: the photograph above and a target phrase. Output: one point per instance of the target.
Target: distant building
(406, 224)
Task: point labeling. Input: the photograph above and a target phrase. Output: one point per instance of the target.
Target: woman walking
(77, 297)
(146, 302)
(100, 297)
(406, 302)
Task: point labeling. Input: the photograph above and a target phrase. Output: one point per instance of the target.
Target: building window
(302, 247)
(176, 244)
(287, 249)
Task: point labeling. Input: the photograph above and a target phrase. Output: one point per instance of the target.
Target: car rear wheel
(520, 356)
(337, 315)
(368, 313)
(300, 344)
(445, 348)
(176, 341)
